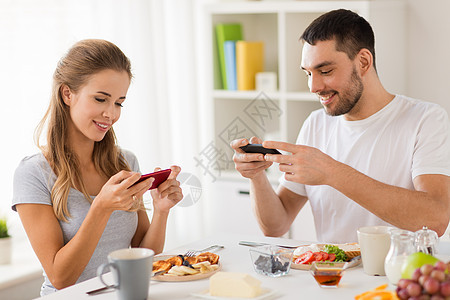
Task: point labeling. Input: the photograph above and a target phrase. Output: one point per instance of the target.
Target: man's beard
(349, 97)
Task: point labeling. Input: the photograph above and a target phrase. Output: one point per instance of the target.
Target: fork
(210, 248)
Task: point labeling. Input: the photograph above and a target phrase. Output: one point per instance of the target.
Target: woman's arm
(166, 196)
(63, 264)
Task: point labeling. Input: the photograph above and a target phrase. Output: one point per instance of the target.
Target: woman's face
(97, 105)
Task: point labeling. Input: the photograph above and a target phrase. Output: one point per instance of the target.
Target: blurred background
(163, 118)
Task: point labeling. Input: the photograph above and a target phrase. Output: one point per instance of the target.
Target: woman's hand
(169, 193)
(118, 193)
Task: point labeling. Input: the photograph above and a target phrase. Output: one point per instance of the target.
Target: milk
(393, 268)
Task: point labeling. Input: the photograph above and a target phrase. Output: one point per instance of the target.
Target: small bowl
(271, 261)
(328, 274)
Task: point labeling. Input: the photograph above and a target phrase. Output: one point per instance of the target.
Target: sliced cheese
(302, 249)
(230, 284)
(350, 247)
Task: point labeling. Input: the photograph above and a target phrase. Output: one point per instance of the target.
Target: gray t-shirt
(33, 182)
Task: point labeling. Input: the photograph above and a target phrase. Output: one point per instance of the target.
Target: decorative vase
(5, 250)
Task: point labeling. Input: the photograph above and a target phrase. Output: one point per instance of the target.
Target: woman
(76, 198)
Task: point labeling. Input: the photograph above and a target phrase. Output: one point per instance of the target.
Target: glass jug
(426, 241)
(402, 245)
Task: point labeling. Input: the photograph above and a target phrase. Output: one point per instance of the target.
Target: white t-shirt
(405, 139)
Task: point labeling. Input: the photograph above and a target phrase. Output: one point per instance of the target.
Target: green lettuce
(340, 254)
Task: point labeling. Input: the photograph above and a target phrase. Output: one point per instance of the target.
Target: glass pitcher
(402, 245)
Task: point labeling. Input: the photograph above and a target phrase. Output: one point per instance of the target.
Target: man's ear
(365, 61)
(66, 94)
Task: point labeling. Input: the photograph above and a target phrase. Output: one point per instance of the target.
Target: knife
(256, 244)
(354, 261)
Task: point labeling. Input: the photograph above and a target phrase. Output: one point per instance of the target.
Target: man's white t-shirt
(406, 138)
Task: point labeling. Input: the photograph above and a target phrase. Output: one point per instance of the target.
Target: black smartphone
(258, 148)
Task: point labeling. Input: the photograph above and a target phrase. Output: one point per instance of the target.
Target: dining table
(297, 284)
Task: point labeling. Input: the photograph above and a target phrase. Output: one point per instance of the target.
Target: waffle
(208, 256)
(175, 260)
(191, 260)
(161, 265)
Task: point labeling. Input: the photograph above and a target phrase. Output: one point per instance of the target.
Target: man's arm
(427, 205)
(275, 212)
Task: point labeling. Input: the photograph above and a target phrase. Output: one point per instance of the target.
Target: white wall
(428, 46)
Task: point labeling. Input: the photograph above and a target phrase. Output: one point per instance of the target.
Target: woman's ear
(66, 94)
(365, 60)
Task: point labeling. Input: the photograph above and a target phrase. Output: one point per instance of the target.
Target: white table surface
(236, 258)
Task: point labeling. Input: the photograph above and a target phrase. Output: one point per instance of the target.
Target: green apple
(416, 260)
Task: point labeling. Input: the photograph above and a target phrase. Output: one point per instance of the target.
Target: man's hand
(306, 165)
(248, 164)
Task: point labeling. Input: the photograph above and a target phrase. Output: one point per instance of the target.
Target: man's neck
(373, 99)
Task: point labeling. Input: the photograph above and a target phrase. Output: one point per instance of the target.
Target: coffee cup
(131, 269)
(374, 242)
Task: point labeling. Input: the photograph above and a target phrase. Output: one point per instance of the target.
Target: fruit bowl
(271, 260)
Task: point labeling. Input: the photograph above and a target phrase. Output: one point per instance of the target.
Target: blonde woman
(76, 198)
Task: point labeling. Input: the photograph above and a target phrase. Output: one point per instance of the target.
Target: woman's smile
(102, 126)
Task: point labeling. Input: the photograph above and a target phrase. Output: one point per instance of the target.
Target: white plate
(205, 295)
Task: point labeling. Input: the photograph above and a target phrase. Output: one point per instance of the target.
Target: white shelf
(301, 96)
(24, 265)
(249, 95)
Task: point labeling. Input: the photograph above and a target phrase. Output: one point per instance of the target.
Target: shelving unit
(227, 115)
(278, 25)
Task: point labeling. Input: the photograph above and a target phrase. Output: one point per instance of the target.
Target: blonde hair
(84, 59)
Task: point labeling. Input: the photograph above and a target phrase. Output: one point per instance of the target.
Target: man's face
(332, 76)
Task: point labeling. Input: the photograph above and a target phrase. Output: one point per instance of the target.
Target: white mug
(131, 269)
(374, 242)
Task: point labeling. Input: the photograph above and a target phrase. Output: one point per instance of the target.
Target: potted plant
(5, 242)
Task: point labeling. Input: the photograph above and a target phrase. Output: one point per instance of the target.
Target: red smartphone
(160, 177)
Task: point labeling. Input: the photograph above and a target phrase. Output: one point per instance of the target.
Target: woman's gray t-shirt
(33, 182)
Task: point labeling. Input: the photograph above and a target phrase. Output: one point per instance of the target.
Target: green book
(226, 32)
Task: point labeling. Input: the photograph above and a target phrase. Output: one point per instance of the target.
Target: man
(369, 158)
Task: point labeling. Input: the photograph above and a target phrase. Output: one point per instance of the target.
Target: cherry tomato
(324, 256)
(319, 256)
(305, 258)
(331, 256)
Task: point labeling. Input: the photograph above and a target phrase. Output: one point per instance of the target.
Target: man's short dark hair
(351, 32)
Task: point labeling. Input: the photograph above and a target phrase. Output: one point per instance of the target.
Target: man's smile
(326, 99)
